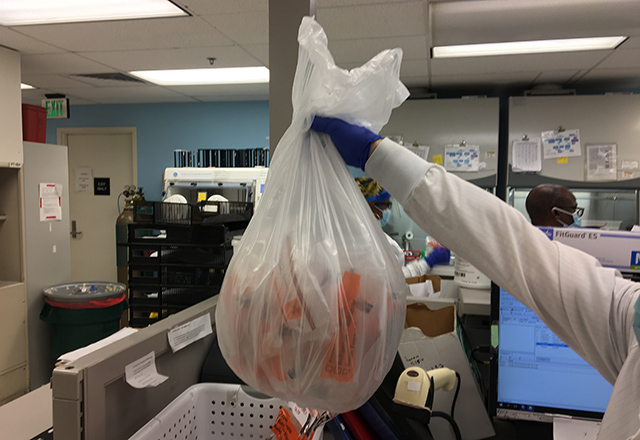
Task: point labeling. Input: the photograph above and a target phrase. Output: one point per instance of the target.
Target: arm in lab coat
(589, 307)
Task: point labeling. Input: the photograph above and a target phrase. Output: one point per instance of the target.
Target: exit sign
(56, 108)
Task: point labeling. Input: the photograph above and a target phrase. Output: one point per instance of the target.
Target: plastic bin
(213, 411)
(82, 313)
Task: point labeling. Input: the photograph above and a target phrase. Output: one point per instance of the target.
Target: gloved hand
(352, 141)
(439, 255)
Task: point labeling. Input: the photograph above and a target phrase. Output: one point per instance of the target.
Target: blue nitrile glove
(352, 141)
(439, 255)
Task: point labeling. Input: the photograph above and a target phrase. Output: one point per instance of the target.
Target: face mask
(386, 214)
(577, 222)
(636, 320)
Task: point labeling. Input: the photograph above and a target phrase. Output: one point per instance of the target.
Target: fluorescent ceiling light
(229, 75)
(24, 86)
(527, 47)
(21, 12)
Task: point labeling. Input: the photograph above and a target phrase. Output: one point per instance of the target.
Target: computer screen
(537, 376)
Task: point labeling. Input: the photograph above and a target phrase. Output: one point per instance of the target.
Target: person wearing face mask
(553, 206)
(593, 309)
(380, 204)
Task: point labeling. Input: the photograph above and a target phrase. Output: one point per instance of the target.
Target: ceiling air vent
(112, 76)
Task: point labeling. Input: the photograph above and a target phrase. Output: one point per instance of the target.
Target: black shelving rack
(174, 266)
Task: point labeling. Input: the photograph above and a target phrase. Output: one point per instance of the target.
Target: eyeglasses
(577, 211)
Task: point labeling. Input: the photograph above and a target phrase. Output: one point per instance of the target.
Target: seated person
(553, 206)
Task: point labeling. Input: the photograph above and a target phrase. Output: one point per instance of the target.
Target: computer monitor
(535, 375)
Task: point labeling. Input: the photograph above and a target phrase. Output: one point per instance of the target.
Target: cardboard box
(434, 339)
(418, 285)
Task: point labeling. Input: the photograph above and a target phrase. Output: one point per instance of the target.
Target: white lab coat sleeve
(397, 250)
(589, 307)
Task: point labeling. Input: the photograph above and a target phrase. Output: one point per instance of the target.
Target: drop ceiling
(60, 58)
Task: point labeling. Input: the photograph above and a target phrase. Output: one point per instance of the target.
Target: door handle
(74, 233)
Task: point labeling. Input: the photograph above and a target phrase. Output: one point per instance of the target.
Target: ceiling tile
(129, 34)
(52, 81)
(500, 20)
(35, 96)
(247, 92)
(373, 21)
(361, 50)
(209, 7)
(622, 58)
(630, 43)
(37, 100)
(557, 76)
(205, 90)
(141, 91)
(413, 68)
(339, 3)
(631, 73)
(259, 51)
(125, 99)
(60, 63)
(519, 63)
(234, 97)
(236, 32)
(245, 28)
(415, 81)
(484, 79)
(185, 58)
(23, 43)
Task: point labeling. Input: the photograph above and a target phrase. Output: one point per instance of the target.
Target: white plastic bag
(313, 303)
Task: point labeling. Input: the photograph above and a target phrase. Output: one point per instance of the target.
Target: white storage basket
(211, 411)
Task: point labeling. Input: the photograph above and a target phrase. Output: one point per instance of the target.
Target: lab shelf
(172, 267)
(205, 212)
(154, 233)
(192, 254)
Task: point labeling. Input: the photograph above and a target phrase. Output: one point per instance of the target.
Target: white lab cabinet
(10, 110)
(601, 119)
(13, 308)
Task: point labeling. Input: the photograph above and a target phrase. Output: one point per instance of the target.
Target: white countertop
(27, 416)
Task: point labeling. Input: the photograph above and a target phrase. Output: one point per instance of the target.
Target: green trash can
(82, 313)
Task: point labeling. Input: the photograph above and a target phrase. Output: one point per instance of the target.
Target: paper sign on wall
(525, 156)
(84, 179)
(602, 162)
(142, 373)
(50, 202)
(461, 157)
(185, 334)
(564, 143)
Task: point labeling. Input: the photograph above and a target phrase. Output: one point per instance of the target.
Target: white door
(110, 155)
